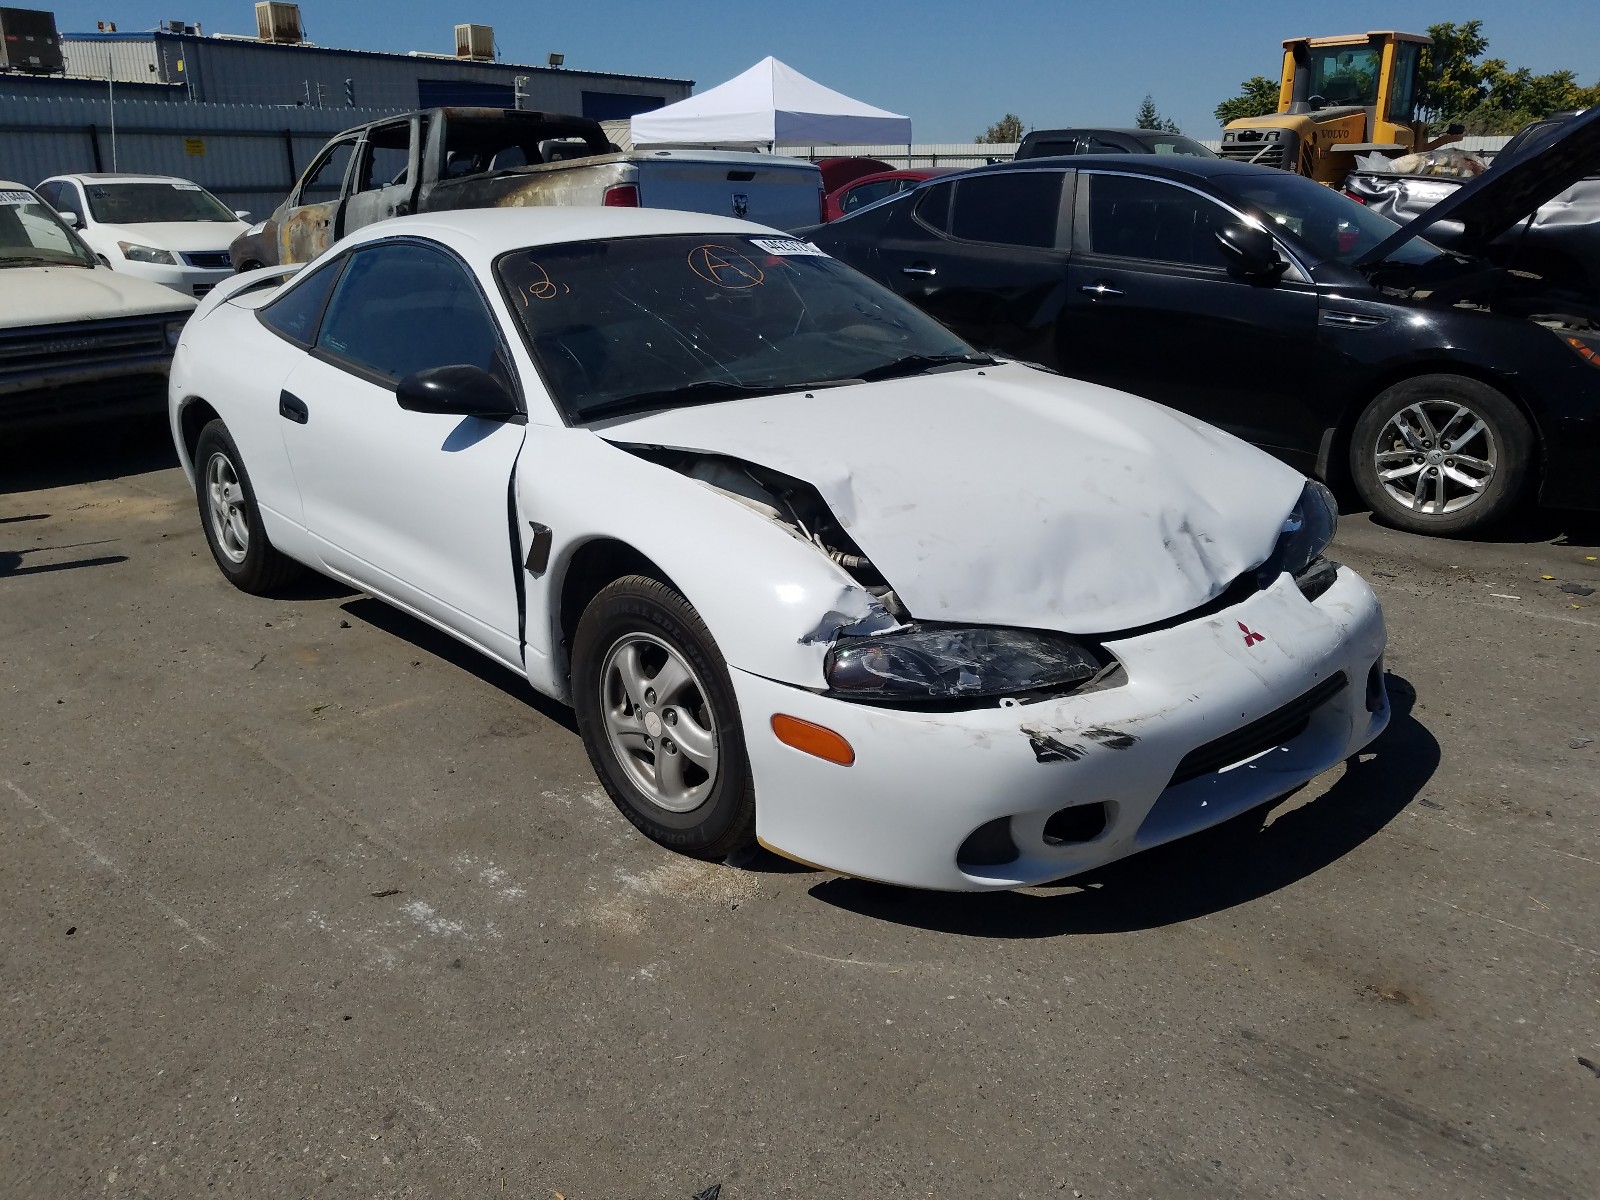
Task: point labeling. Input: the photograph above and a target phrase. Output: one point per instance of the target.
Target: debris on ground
(385, 892)
(1578, 743)
(1584, 1062)
(1577, 589)
(711, 1193)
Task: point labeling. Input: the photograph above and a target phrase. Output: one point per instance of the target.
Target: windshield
(1330, 225)
(31, 235)
(643, 323)
(1176, 143)
(1345, 74)
(147, 203)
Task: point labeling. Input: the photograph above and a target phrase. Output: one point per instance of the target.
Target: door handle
(920, 270)
(292, 408)
(1101, 287)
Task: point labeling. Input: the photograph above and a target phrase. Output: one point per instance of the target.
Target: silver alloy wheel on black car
(659, 722)
(1442, 454)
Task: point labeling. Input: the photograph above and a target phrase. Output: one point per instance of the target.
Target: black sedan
(1280, 310)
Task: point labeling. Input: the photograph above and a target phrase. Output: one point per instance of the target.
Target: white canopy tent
(770, 105)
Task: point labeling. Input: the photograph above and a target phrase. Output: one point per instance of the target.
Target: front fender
(772, 601)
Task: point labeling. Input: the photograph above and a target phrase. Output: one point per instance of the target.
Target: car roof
(1164, 165)
(118, 177)
(7, 186)
(482, 234)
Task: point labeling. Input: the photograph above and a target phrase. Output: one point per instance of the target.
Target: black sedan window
(1327, 222)
(1131, 217)
(647, 322)
(400, 308)
(1013, 208)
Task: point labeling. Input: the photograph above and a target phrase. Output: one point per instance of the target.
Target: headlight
(174, 332)
(928, 663)
(134, 252)
(1307, 530)
(1586, 348)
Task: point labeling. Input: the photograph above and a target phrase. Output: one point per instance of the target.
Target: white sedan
(811, 571)
(159, 227)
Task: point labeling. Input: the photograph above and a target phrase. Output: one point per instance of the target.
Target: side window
(325, 179)
(1145, 218)
(870, 193)
(294, 315)
(386, 157)
(1097, 145)
(50, 193)
(933, 209)
(400, 307)
(1014, 208)
(1053, 149)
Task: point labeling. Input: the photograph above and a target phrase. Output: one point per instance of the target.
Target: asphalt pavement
(301, 899)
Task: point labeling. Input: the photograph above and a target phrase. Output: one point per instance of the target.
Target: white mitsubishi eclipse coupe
(810, 570)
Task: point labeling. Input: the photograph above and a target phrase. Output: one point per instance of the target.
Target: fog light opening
(1376, 688)
(989, 845)
(1079, 823)
(816, 740)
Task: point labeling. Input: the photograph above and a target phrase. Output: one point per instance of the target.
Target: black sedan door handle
(920, 270)
(292, 408)
(1101, 287)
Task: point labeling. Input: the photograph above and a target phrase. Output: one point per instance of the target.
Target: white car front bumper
(1210, 721)
(190, 280)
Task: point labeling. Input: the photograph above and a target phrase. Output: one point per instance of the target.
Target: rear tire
(658, 717)
(232, 519)
(1441, 455)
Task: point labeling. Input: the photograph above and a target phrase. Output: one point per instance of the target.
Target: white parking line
(120, 872)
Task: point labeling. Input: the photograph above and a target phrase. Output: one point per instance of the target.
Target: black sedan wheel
(1441, 454)
(658, 717)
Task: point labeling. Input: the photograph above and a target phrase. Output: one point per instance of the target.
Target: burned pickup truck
(449, 158)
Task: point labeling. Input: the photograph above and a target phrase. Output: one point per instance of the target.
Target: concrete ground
(299, 899)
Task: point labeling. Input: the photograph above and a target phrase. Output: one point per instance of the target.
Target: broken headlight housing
(1307, 530)
(943, 663)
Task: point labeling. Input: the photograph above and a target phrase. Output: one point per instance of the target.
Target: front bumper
(922, 783)
(190, 280)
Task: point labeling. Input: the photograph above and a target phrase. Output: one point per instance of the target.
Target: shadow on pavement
(32, 462)
(441, 645)
(1241, 860)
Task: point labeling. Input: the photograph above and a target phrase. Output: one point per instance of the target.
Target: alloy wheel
(229, 522)
(659, 722)
(1436, 457)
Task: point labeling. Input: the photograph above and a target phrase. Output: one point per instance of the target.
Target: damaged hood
(1507, 193)
(1010, 496)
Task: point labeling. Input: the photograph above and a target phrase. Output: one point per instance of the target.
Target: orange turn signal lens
(812, 739)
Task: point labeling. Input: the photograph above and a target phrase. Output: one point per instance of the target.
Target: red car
(869, 189)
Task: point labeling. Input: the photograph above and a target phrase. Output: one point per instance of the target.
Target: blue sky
(953, 67)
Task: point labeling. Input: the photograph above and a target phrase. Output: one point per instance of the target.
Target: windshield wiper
(917, 364)
(706, 391)
(39, 260)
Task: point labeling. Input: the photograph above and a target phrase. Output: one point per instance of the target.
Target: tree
(1149, 118)
(1006, 130)
(1458, 85)
(1258, 97)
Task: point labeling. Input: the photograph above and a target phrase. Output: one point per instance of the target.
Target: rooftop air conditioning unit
(475, 42)
(279, 23)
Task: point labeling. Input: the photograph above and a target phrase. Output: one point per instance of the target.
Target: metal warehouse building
(278, 68)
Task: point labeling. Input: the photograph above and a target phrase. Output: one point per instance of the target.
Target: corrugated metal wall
(243, 150)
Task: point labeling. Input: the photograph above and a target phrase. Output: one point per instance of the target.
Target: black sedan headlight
(1307, 530)
(956, 663)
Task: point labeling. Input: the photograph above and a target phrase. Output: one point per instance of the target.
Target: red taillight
(1355, 197)
(622, 195)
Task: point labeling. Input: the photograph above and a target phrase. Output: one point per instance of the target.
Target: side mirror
(241, 214)
(69, 219)
(1250, 249)
(460, 390)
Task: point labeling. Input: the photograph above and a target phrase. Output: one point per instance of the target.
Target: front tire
(658, 717)
(1441, 455)
(232, 519)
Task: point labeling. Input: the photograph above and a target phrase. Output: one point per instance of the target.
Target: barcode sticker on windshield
(18, 198)
(787, 247)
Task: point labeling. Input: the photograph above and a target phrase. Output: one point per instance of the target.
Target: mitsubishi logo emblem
(1251, 637)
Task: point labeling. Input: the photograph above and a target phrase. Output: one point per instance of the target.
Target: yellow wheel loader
(1339, 97)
